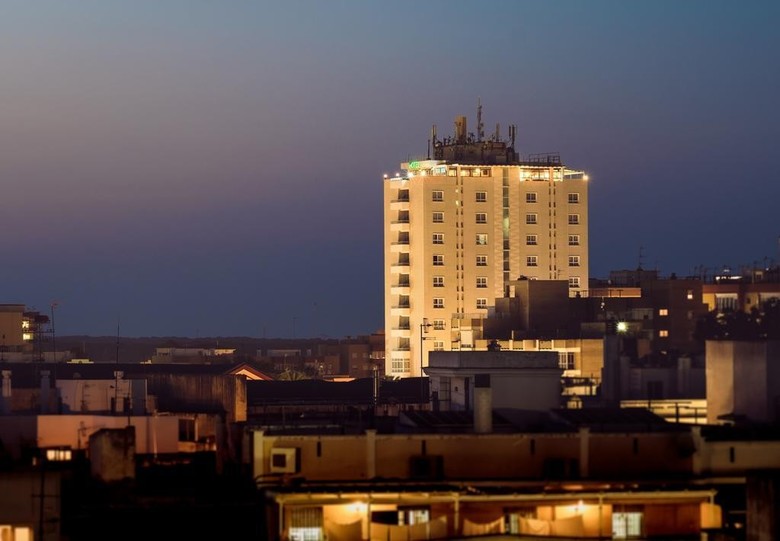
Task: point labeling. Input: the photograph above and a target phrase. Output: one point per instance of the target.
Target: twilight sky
(200, 168)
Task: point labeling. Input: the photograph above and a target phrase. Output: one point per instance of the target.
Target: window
(481, 281)
(574, 240)
(574, 219)
(403, 216)
(438, 346)
(531, 261)
(530, 219)
(438, 238)
(481, 197)
(574, 261)
(663, 312)
(438, 302)
(530, 197)
(531, 240)
(481, 303)
(481, 239)
(481, 261)
(663, 333)
(574, 198)
(574, 281)
(437, 195)
(566, 360)
(403, 195)
(438, 217)
(403, 237)
(438, 324)
(481, 218)
(438, 260)
(689, 295)
(438, 281)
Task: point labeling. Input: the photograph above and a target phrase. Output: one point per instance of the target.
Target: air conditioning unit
(285, 460)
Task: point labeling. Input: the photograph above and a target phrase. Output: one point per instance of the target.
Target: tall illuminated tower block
(462, 223)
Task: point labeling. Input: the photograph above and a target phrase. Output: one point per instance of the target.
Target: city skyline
(192, 169)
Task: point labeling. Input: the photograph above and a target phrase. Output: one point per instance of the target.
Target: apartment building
(464, 222)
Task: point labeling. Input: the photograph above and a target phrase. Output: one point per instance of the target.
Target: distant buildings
(464, 222)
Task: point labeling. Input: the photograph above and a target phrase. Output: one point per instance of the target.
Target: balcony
(400, 288)
(401, 266)
(399, 204)
(400, 310)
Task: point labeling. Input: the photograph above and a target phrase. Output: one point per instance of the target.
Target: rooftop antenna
(480, 125)
(117, 340)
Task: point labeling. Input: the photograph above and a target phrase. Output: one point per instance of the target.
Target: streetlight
(423, 329)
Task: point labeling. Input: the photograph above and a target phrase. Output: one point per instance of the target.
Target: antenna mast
(480, 125)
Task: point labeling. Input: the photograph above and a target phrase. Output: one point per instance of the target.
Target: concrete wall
(743, 379)
(154, 434)
(483, 456)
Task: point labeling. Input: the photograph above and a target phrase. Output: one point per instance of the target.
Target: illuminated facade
(459, 226)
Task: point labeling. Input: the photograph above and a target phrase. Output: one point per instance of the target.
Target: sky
(197, 168)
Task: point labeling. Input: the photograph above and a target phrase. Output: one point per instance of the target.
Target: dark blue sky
(200, 168)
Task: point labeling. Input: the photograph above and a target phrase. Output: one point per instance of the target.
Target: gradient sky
(200, 168)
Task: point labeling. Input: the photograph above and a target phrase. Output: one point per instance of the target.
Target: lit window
(663, 333)
(438, 260)
(481, 303)
(574, 281)
(689, 295)
(481, 239)
(531, 240)
(566, 360)
(574, 198)
(451, 172)
(663, 312)
(438, 324)
(438, 238)
(438, 217)
(481, 281)
(531, 261)
(574, 261)
(438, 281)
(574, 219)
(58, 455)
(465, 172)
(438, 346)
(481, 261)
(481, 197)
(438, 302)
(481, 218)
(530, 197)
(437, 195)
(530, 219)
(574, 240)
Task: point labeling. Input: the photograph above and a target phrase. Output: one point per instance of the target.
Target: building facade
(459, 226)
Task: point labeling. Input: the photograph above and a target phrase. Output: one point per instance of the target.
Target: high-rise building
(463, 222)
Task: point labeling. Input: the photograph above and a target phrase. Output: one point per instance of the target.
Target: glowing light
(585, 177)
(622, 326)
(357, 507)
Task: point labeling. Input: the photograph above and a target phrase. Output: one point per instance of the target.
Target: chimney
(5, 396)
(483, 404)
